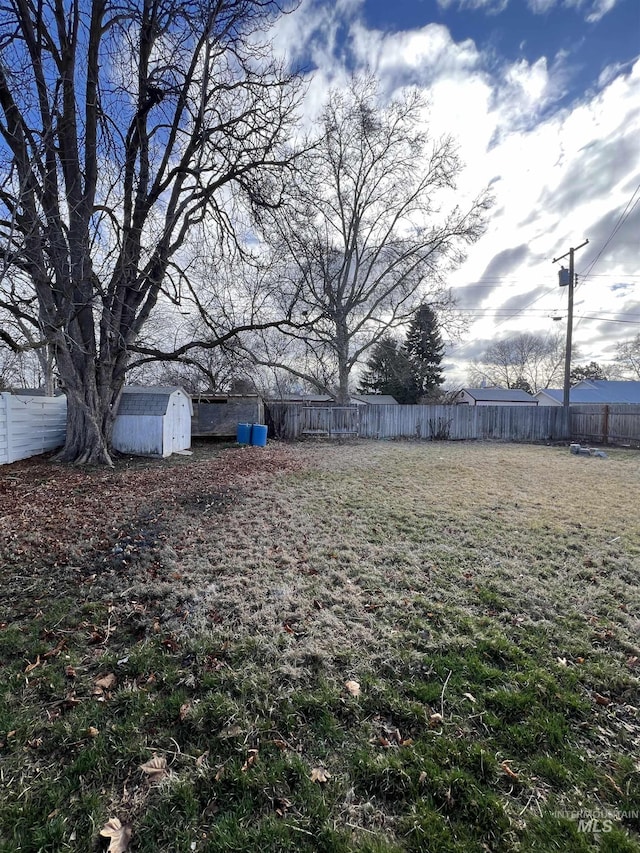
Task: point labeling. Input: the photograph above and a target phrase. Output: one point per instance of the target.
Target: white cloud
(540, 7)
(558, 175)
(492, 7)
(592, 10)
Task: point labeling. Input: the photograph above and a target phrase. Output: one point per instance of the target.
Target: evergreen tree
(389, 371)
(425, 351)
(587, 371)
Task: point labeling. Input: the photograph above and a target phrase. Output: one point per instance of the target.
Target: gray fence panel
(606, 424)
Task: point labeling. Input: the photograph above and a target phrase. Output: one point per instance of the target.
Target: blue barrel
(243, 434)
(259, 435)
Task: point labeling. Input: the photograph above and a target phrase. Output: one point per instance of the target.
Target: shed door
(178, 425)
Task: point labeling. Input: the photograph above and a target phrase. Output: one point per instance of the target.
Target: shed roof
(148, 400)
(499, 394)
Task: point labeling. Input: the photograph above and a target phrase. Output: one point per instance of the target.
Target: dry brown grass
(356, 528)
(247, 585)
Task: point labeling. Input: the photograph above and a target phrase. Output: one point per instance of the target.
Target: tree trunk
(85, 443)
(344, 368)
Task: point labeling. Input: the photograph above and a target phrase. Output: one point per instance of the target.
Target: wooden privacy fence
(606, 424)
(30, 425)
(506, 423)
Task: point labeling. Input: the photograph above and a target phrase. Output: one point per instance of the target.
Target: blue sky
(543, 97)
(517, 31)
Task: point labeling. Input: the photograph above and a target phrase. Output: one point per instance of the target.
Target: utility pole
(570, 282)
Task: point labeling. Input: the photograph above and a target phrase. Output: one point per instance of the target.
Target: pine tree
(425, 350)
(389, 371)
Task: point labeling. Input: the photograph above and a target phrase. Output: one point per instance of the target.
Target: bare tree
(124, 128)
(371, 234)
(528, 361)
(628, 357)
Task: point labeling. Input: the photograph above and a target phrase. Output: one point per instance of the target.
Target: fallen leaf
(281, 805)
(601, 700)
(219, 773)
(53, 653)
(252, 758)
(31, 666)
(185, 708)
(92, 731)
(562, 661)
(510, 773)
(200, 760)
(422, 777)
(632, 661)
(96, 637)
(106, 682)
(211, 808)
(156, 768)
(435, 720)
(470, 697)
(120, 835)
(319, 774)
(171, 644)
(70, 672)
(352, 687)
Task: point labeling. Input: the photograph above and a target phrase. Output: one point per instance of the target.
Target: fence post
(7, 399)
(605, 425)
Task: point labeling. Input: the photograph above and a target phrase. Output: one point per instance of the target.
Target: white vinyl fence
(30, 425)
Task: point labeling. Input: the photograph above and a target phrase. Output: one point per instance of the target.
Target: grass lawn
(371, 646)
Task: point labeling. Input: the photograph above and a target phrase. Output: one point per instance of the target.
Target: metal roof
(599, 391)
(499, 394)
(375, 399)
(148, 400)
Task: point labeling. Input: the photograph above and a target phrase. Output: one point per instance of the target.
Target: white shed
(153, 421)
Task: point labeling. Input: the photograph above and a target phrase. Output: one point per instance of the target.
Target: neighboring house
(153, 421)
(327, 400)
(305, 399)
(493, 397)
(373, 400)
(597, 391)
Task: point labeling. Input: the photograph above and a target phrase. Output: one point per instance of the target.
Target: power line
(626, 213)
(609, 319)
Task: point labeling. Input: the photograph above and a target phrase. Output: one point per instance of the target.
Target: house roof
(302, 398)
(599, 391)
(375, 399)
(148, 400)
(499, 395)
(609, 391)
(556, 394)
